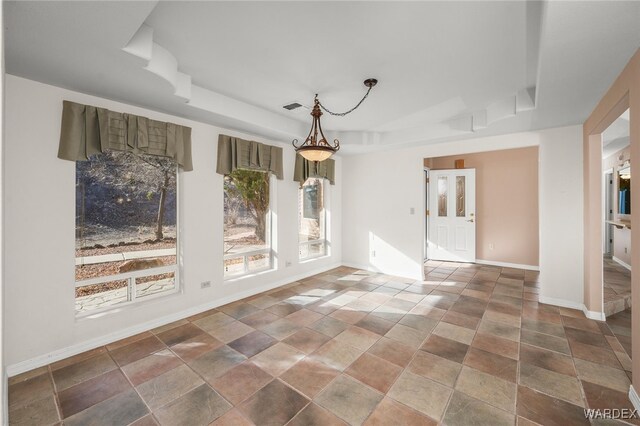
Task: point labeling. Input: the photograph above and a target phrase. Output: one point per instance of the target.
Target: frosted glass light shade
(315, 153)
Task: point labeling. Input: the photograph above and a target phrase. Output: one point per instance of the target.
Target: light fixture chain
(342, 114)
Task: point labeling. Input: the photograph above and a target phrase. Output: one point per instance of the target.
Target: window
(247, 223)
(311, 219)
(126, 233)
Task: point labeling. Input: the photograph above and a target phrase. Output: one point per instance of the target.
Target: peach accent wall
(506, 203)
(623, 94)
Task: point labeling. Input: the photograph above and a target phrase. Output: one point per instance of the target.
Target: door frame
(607, 204)
(425, 220)
(425, 216)
(623, 94)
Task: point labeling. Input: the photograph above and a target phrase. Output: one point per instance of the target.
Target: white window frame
(132, 275)
(325, 239)
(268, 250)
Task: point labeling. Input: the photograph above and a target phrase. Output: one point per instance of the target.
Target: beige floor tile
(545, 341)
(84, 370)
(168, 386)
(374, 371)
(329, 326)
(231, 331)
(411, 337)
(602, 375)
(152, 366)
(393, 351)
(464, 410)
(214, 321)
(241, 382)
(39, 412)
(30, 390)
(197, 407)
(435, 368)
(454, 332)
(277, 359)
(488, 388)
(358, 337)
(309, 377)
(274, 404)
(499, 329)
(348, 399)
(337, 354)
(391, 412)
(215, 363)
(125, 408)
(314, 415)
(552, 383)
(419, 393)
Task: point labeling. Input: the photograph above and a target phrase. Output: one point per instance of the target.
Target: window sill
(100, 313)
(312, 259)
(235, 278)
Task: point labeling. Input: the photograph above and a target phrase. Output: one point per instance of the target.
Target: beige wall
(506, 203)
(623, 94)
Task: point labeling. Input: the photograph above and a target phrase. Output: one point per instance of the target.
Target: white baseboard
(635, 399)
(594, 315)
(374, 269)
(106, 339)
(507, 265)
(563, 303)
(358, 266)
(620, 262)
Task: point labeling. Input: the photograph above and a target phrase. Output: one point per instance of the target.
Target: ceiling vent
(292, 106)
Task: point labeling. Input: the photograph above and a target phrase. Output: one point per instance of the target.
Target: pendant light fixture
(315, 147)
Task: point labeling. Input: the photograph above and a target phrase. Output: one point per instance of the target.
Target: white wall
(380, 188)
(561, 217)
(40, 237)
(370, 208)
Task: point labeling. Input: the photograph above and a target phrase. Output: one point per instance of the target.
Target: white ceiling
(235, 64)
(424, 54)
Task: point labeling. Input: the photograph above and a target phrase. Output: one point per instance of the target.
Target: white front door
(452, 220)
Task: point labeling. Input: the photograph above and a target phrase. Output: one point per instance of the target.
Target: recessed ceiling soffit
(452, 119)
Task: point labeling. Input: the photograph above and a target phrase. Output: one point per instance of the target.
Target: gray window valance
(236, 153)
(87, 130)
(305, 169)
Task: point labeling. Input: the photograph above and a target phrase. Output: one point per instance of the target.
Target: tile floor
(617, 287)
(470, 345)
(620, 326)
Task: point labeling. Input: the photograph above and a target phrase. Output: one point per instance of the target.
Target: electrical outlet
(412, 210)
(625, 250)
(287, 264)
(491, 246)
(205, 284)
(373, 253)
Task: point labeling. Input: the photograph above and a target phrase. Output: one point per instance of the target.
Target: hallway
(617, 287)
(620, 326)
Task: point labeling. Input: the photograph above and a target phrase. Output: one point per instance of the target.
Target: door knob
(470, 220)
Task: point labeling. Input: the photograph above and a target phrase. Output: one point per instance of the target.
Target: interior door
(452, 220)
